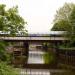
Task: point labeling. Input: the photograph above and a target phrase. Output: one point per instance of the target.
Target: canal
(36, 57)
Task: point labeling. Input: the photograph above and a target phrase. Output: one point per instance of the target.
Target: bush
(7, 70)
(49, 58)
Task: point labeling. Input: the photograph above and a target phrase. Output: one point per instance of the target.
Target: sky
(39, 14)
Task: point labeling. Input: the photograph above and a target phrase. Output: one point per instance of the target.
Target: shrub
(7, 70)
(48, 57)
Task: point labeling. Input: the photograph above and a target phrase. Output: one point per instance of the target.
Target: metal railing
(67, 57)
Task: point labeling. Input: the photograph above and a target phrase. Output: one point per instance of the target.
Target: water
(35, 57)
(35, 72)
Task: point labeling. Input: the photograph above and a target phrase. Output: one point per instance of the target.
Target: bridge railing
(67, 57)
(33, 38)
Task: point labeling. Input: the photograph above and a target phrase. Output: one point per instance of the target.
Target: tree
(62, 20)
(65, 21)
(11, 21)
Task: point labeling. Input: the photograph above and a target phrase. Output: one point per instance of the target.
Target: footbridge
(52, 36)
(33, 38)
(22, 45)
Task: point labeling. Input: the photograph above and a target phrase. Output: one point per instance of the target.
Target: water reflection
(35, 57)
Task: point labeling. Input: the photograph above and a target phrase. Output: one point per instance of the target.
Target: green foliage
(62, 17)
(48, 58)
(11, 21)
(61, 26)
(7, 70)
(65, 21)
(4, 56)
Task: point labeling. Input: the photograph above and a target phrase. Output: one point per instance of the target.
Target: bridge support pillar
(26, 51)
(57, 53)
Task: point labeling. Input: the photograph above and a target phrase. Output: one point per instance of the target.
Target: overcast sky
(38, 13)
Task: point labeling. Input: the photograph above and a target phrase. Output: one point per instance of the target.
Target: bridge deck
(40, 38)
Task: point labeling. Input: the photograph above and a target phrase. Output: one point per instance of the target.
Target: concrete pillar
(26, 51)
(57, 53)
(26, 46)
